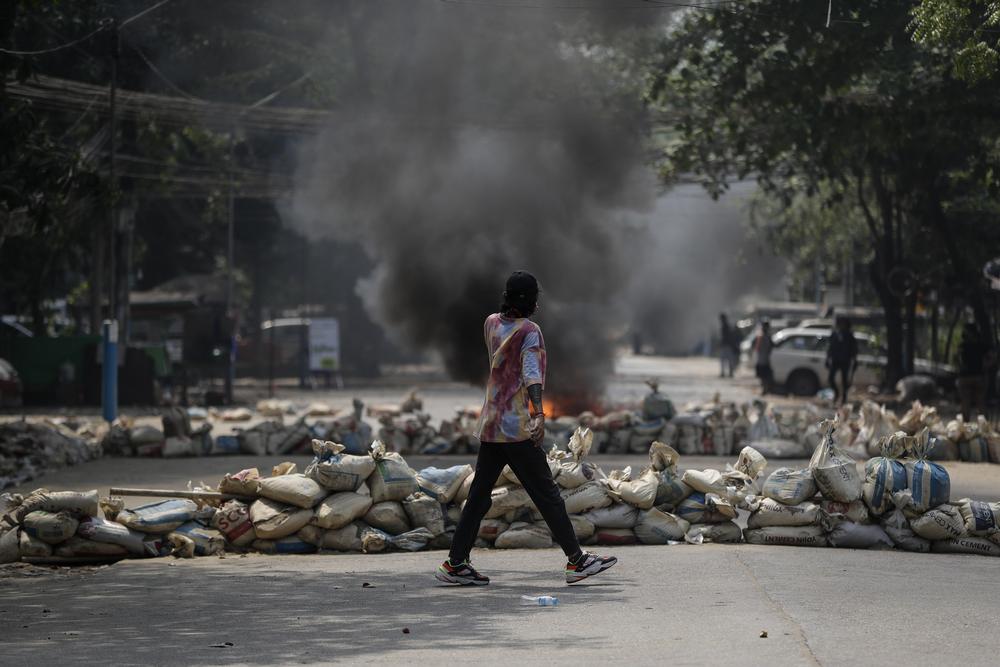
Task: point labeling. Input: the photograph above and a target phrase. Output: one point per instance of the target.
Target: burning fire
(558, 406)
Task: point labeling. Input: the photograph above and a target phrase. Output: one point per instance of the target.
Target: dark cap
(521, 286)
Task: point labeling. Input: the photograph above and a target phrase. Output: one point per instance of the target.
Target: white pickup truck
(799, 361)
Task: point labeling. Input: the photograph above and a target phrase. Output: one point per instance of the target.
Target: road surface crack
(779, 608)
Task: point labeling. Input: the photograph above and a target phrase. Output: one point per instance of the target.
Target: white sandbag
(77, 503)
(50, 527)
(233, 521)
(273, 520)
(835, 472)
(585, 497)
(8, 503)
(388, 516)
(207, 541)
(770, 512)
(897, 527)
(508, 499)
(293, 544)
(705, 508)
(350, 538)
(705, 481)
(78, 547)
(966, 545)
(297, 490)
(242, 483)
(336, 471)
(928, 482)
(618, 515)
(489, 529)
(412, 540)
(424, 512)
(555, 469)
(726, 532)
(941, 523)
(764, 426)
(375, 541)
(981, 519)
(10, 549)
(639, 492)
(791, 536)
(734, 485)
(835, 511)
(340, 509)
(884, 476)
(443, 484)
(139, 544)
(463, 491)
(613, 536)
(523, 535)
(847, 535)
(789, 486)
(32, 547)
(582, 526)
(159, 517)
(670, 488)
(392, 479)
(781, 448)
(876, 424)
(750, 462)
(656, 527)
(573, 470)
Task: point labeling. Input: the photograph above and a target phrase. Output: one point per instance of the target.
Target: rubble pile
(30, 449)
(375, 502)
(713, 428)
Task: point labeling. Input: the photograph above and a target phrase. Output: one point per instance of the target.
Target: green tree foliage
(855, 112)
(969, 29)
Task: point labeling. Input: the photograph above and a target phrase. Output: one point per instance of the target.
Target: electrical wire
(142, 13)
(160, 75)
(105, 25)
(54, 49)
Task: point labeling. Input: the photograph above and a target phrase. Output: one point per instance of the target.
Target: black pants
(532, 469)
(845, 376)
(766, 375)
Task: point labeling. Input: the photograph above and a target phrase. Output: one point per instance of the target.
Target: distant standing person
(729, 347)
(841, 357)
(762, 348)
(974, 359)
(511, 427)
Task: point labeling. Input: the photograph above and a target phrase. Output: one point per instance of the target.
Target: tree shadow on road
(156, 613)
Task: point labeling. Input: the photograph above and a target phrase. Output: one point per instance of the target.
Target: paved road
(684, 604)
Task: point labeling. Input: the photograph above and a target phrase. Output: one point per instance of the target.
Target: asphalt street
(682, 604)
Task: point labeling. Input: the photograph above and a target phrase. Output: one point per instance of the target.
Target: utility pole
(114, 52)
(109, 376)
(230, 305)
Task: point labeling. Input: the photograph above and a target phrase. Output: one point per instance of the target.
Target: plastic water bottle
(540, 601)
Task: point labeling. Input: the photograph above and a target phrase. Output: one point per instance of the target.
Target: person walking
(511, 427)
(974, 358)
(762, 347)
(841, 357)
(729, 347)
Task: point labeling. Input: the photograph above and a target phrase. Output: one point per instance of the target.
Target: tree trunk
(911, 333)
(893, 323)
(966, 275)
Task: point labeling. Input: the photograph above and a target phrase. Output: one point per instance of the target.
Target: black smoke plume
(482, 139)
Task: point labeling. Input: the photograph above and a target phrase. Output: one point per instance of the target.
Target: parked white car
(799, 361)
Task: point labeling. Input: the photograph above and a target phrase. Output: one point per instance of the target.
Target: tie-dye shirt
(517, 361)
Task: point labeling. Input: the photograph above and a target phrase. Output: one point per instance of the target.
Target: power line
(54, 49)
(105, 24)
(143, 13)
